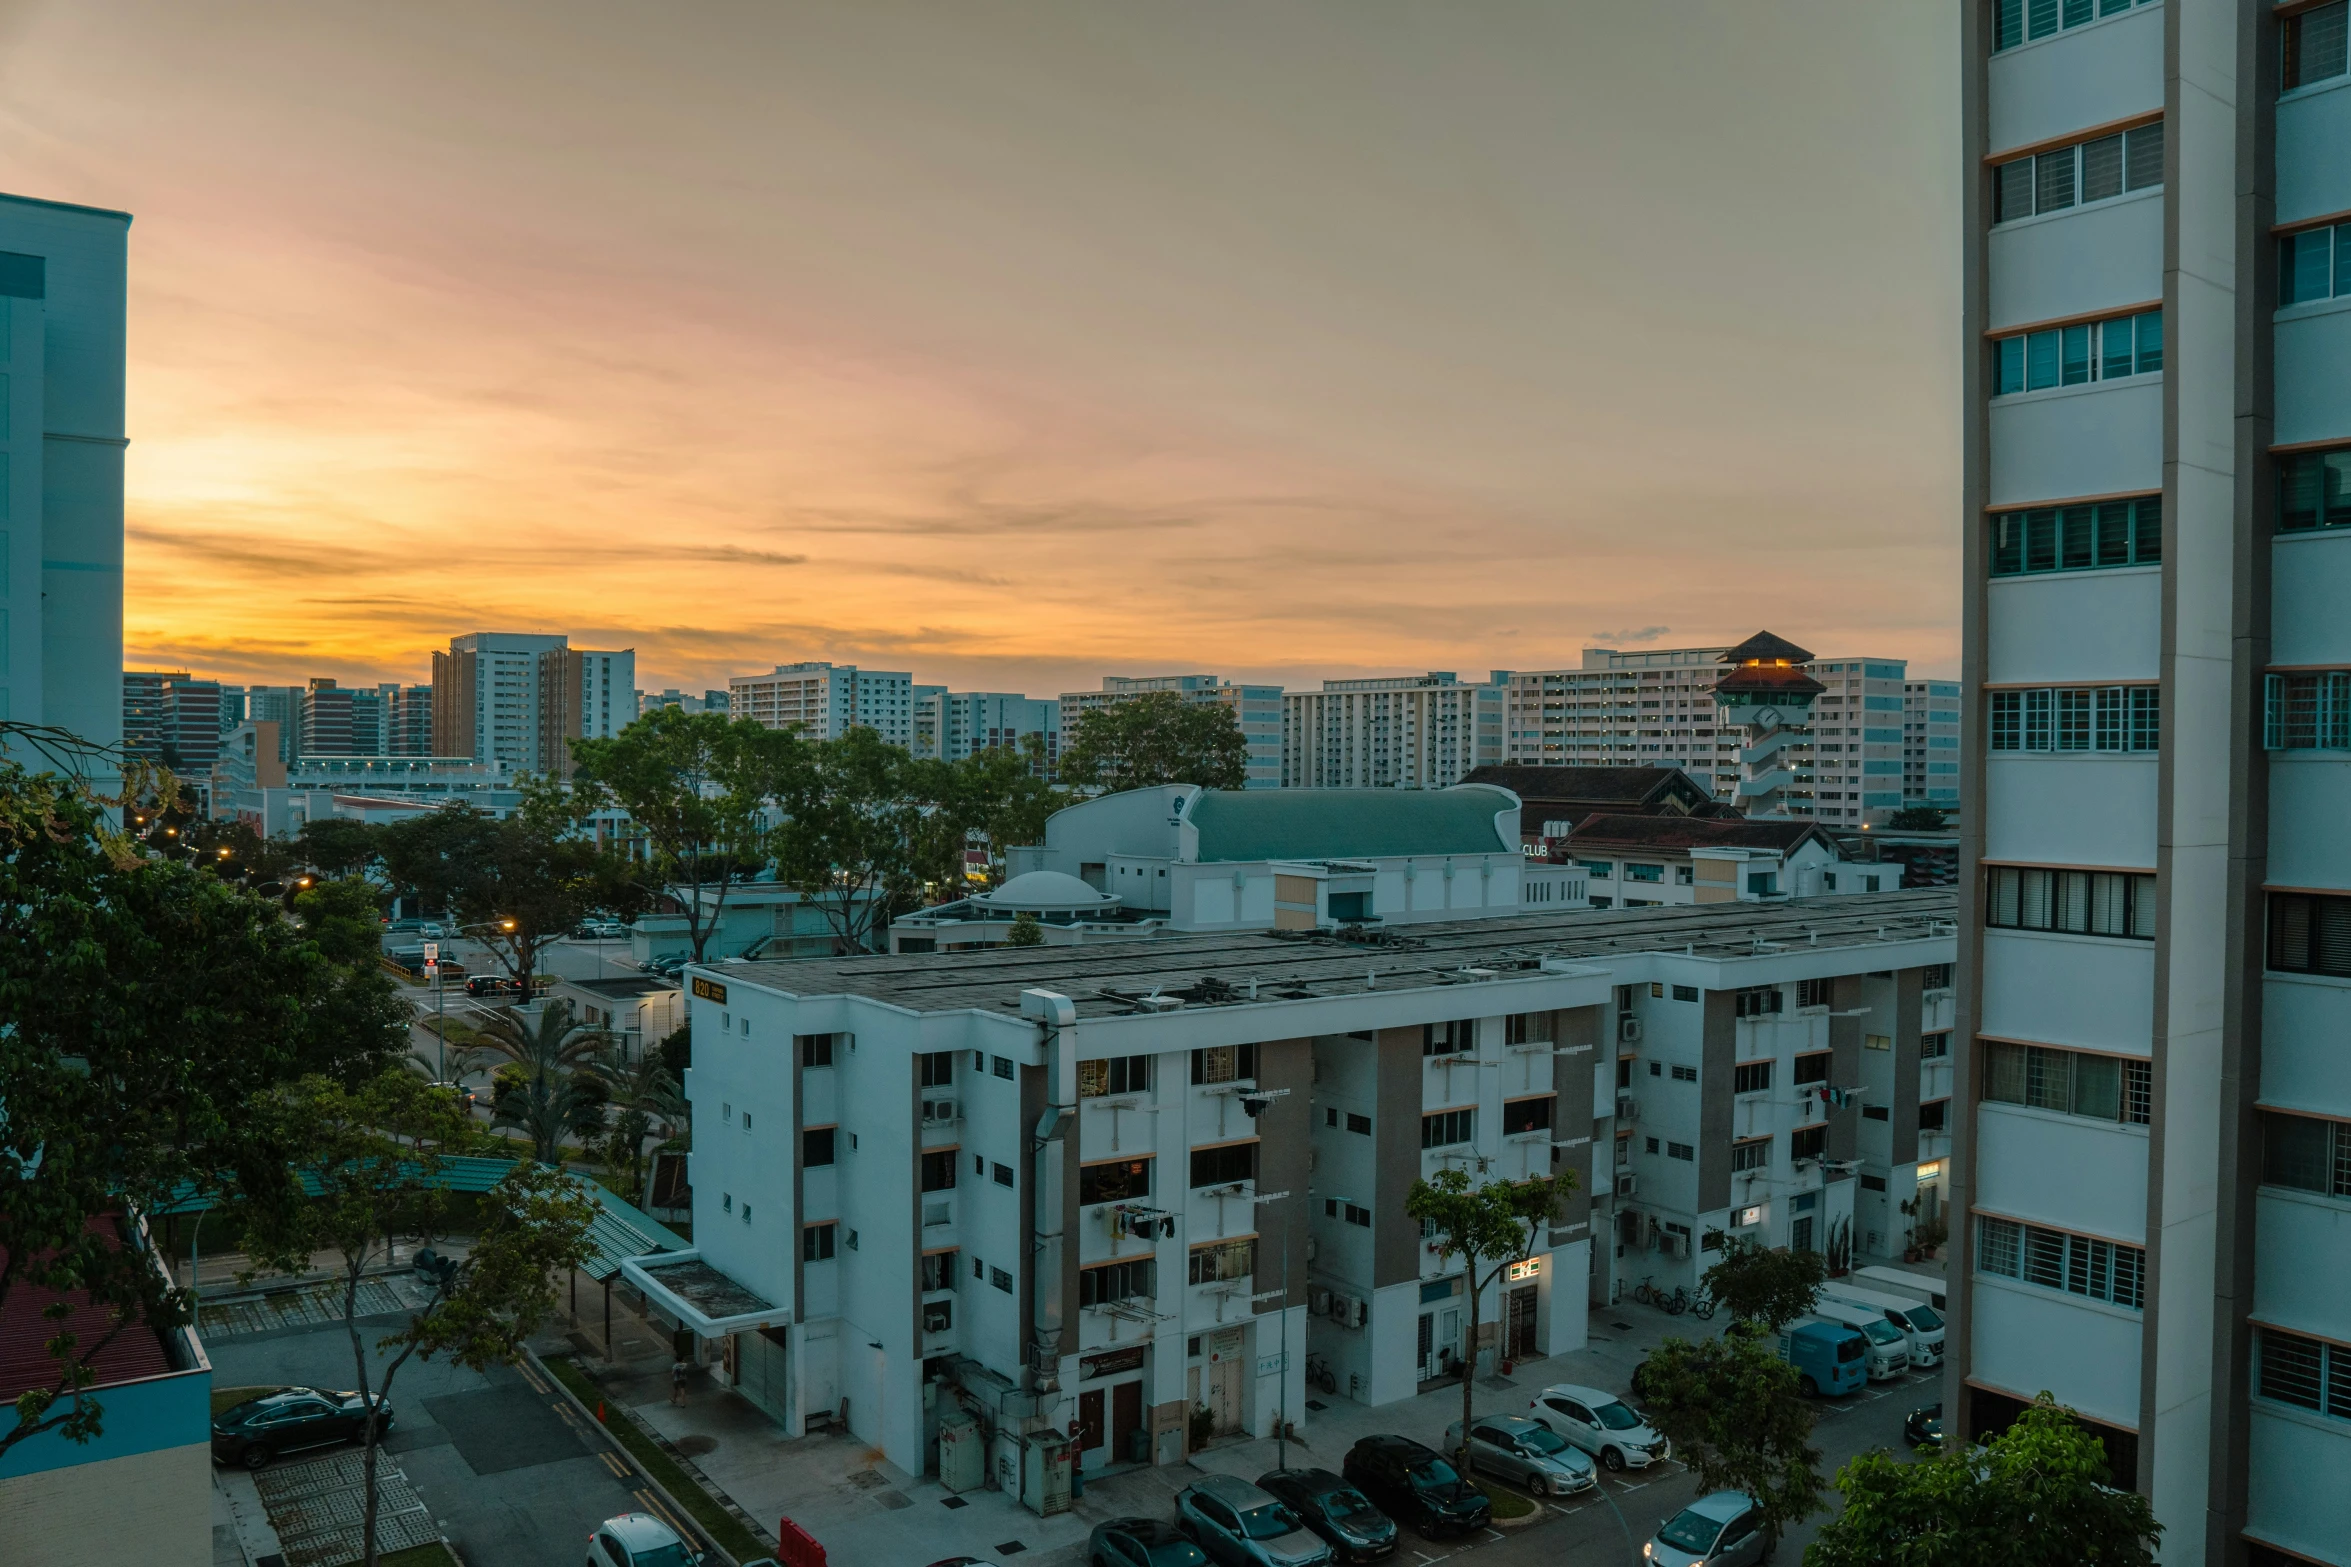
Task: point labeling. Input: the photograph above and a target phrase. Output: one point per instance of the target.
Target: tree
(696, 785)
(865, 833)
(1916, 818)
(552, 1056)
(337, 845)
(2038, 1493)
(1157, 738)
(1771, 1288)
(1025, 931)
(646, 1102)
(1489, 1226)
(1734, 1413)
(1003, 793)
(149, 1007)
(516, 884)
(376, 1156)
(345, 918)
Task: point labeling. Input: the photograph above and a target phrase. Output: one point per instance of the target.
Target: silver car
(1241, 1526)
(1526, 1454)
(1722, 1530)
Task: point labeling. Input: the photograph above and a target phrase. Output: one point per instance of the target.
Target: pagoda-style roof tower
(1766, 670)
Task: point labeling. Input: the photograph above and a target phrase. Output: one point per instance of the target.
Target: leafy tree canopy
(1735, 1414)
(1771, 1287)
(1157, 738)
(337, 845)
(1917, 818)
(2036, 1495)
(1488, 1227)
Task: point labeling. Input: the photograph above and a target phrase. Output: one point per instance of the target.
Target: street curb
(1528, 1522)
(683, 1513)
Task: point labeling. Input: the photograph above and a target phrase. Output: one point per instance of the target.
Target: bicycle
(1319, 1374)
(1702, 1304)
(1678, 1302)
(1645, 1293)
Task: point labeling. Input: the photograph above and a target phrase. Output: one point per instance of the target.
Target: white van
(1889, 1348)
(1920, 1323)
(1910, 1286)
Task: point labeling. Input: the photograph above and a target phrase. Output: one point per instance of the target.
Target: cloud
(1645, 634)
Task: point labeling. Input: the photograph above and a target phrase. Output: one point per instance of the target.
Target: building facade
(826, 701)
(1635, 708)
(62, 290)
(1411, 732)
(951, 725)
(170, 716)
(1930, 745)
(2155, 875)
(1256, 709)
(517, 697)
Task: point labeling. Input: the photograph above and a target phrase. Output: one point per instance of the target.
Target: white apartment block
(951, 725)
(1857, 740)
(1930, 745)
(1257, 709)
(1405, 732)
(1081, 1191)
(518, 697)
(826, 700)
(62, 288)
(2154, 980)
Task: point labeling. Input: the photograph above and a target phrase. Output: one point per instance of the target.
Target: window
(1934, 1115)
(1001, 1174)
(938, 1068)
(2076, 355)
(1598, 870)
(1680, 1151)
(1224, 1165)
(816, 1146)
(1359, 1124)
(1116, 1075)
(816, 1050)
(2054, 1259)
(1116, 1282)
(1812, 1067)
(2308, 1372)
(1001, 1066)
(998, 1278)
(1445, 1039)
(1876, 1113)
(1813, 992)
(1526, 1115)
(1685, 1074)
(817, 1241)
(2078, 718)
(2306, 1153)
(1935, 976)
(1754, 1154)
(1225, 1064)
(2314, 264)
(1224, 1261)
(2085, 903)
(938, 1171)
(1751, 1077)
(2307, 712)
(2079, 538)
(1933, 1047)
(2310, 933)
(1808, 1142)
(1634, 872)
(2314, 490)
(2312, 46)
(1120, 1180)
(1756, 1002)
(1685, 992)
(2065, 177)
(1526, 1028)
(1650, 1144)
(2022, 21)
(2071, 1082)
(1448, 1127)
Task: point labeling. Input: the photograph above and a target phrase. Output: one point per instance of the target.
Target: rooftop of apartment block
(1118, 978)
(1695, 832)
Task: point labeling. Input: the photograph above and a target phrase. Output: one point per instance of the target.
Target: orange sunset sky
(1016, 344)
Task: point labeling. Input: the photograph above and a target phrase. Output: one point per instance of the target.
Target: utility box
(963, 1453)
(1045, 1473)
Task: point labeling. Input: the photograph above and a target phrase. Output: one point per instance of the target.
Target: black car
(1923, 1427)
(259, 1429)
(1342, 1515)
(1141, 1542)
(1416, 1485)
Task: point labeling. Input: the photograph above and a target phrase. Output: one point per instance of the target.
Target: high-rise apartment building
(1257, 709)
(707, 702)
(501, 696)
(2153, 1160)
(328, 723)
(170, 716)
(1405, 732)
(1930, 745)
(828, 700)
(62, 271)
(407, 720)
(952, 725)
(1856, 740)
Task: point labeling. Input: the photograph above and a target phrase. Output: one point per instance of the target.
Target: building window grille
(2066, 177)
(1754, 1154)
(1447, 1128)
(2071, 1082)
(2307, 712)
(2079, 354)
(2059, 1260)
(2017, 22)
(2311, 45)
(2310, 933)
(2306, 1153)
(2079, 538)
(2082, 903)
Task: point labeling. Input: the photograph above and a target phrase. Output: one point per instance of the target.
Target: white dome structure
(1046, 892)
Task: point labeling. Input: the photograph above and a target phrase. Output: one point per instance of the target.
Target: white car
(639, 1540)
(1601, 1424)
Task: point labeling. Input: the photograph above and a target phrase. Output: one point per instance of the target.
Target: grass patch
(1507, 1503)
(227, 1398)
(722, 1526)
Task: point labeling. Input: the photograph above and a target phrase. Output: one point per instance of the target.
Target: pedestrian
(677, 1383)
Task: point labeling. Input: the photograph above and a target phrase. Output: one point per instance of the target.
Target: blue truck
(1830, 1358)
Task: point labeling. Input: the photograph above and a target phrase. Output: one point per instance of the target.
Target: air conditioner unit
(1628, 1108)
(1628, 1029)
(1318, 1301)
(1358, 1313)
(1677, 1244)
(937, 1112)
(1335, 1307)
(1628, 1185)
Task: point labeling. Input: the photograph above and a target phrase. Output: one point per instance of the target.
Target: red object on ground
(600, 1412)
(796, 1547)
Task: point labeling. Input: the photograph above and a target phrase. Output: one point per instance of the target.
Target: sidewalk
(867, 1512)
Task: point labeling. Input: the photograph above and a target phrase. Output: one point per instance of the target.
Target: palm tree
(646, 1096)
(553, 1096)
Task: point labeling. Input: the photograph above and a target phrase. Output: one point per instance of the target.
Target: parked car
(259, 1429)
(1526, 1453)
(489, 985)
(1722, 1530)
(1923, 1426)
(601, 930)
(639, 1540)
(1602, 1424)
(1414, 1484)
(1327, 1504)
(1138, 1542)
(1241, 1526)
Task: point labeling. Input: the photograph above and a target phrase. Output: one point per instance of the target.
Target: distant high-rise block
(519, 697)
(1256, 709)
(826, 700)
